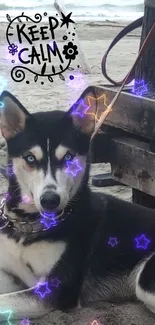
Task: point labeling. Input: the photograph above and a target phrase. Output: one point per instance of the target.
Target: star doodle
(25, 321)
(48, 220)
(7, 312)
(73, 167)
(142, 242)
(102, 98)
(139, 88)
(113, 241)
(66, 19)
(55, 282)
(42, 289)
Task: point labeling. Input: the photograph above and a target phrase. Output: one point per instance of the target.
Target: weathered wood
(146, 68)
(143, 199)
(132, 161)
(59, 6)
(130, 113)
(133, 164)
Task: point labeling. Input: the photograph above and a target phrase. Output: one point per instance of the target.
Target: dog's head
(48, 151)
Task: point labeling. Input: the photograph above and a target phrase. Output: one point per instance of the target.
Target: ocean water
(90, 10)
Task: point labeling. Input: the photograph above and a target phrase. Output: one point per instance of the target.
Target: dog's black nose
(50, 200)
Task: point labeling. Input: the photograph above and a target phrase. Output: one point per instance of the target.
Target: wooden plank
(142, 198)
(133, 164)
(130, 113)
(60, 7)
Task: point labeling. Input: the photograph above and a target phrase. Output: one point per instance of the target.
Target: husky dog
(61, 245)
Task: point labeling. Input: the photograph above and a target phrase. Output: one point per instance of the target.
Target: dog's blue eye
(68, 157)
(30, 159)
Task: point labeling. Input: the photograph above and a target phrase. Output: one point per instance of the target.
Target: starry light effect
(55, 282)
(76, 81)
(142, 242)
(3, 84)
(9, 170)
(7, 196)
(48, 220)
(113, 241)
(79, 103)
(8, 314)
(87, 108)
(103, 99)
(139, 88)
(26, 199)
(42, 289)
(25, 321)
(73, 167)
(95, 322)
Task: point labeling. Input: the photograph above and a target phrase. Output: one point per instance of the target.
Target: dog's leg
(8, 283)
(145, 283)
(23, 303)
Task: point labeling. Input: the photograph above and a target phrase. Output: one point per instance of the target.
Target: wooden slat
(131, 113)
(133, 164)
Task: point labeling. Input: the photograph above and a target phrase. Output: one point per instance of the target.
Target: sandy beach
(94, 39)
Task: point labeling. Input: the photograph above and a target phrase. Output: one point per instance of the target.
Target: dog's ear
(84, 111)
(13, 115)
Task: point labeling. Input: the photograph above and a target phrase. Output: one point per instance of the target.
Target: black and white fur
(76, 251)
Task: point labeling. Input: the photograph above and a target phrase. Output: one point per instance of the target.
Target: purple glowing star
(55, 282)
(42, 289)
(26, 199)
(139, 88)
(75, 108)
(25, 321)
(142, 242)
(7, 196)
(113, 241)
(9, 170)
(13, 48)
(48, 220)
(76, 81)
(73, 167)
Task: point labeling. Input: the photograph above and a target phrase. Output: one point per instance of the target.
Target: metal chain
(11, 222)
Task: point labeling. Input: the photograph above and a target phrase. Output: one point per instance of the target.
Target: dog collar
(28, 226)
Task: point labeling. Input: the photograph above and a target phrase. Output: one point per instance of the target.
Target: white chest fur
(41, 257)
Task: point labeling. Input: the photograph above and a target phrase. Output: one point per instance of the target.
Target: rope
(137, 23)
